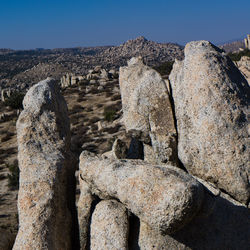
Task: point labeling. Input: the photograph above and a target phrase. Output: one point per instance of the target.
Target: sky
(29, 24)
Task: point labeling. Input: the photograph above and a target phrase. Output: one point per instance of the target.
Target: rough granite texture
(211, 100)
(166, 198)
(84, 204)
(109, 226)
(244, 66)
(220, 224)
(147, 108)
(43, 133)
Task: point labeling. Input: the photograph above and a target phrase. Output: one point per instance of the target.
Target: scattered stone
(211, 99)
(70, 80)
(44, 198)
(93, 81)
(104, 74)
(109, 226)
(97, 69)
(119, 149)
(148, 154)
(166, 198)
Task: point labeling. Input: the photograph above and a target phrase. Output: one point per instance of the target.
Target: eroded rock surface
(211, 100)
(220, 224)
(84, 206)
(166, 198)
(109, 226)
(147, 108)
(244, 66)
(43, 134)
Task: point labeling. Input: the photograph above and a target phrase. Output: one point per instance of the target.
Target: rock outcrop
(166, 197)
(220, 224)
(211, 100)
(70, 80)
(136, 196)
(45, 194)
(109, 226)
(84, 210)
(147, 108)
(247, 42)
(244, 66)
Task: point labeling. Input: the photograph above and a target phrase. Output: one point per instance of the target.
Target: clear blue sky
(26, 24)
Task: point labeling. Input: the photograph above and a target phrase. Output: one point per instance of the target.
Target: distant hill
(152, 52)
(5, 51)
(26, 67)
(233, 46)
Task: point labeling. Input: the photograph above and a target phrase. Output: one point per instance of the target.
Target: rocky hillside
(152, 52)
(19, 67)
(94, 112)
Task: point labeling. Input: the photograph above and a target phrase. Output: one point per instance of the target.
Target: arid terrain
(95, 124)
(94, 105)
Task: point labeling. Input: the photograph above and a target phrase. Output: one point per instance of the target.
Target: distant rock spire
(247, 42)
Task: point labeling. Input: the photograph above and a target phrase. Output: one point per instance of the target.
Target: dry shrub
(7, 137)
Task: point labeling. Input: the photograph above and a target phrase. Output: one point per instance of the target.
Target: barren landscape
(97, 114)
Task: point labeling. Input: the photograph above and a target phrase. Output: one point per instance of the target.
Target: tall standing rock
(211, 99)
(109, 226)
(43, 133)
(147, 108)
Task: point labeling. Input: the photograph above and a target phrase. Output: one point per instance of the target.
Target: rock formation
(137, 197)
(211, 100)
(146, 190)
(147, 108)
(45, 193)
(5, 93)
(109, 226)
(70, 80)
(84, 205)
(244, 66)
(247, 42)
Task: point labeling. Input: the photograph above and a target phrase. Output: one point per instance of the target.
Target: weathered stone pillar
(109, 226)
(147, 107)
(43, 133)
(246, 43)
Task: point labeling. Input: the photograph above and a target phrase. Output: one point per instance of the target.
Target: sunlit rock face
(43, 133)
(211, 100)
